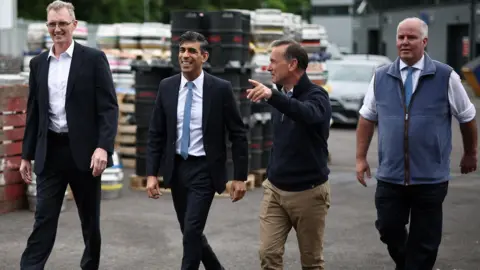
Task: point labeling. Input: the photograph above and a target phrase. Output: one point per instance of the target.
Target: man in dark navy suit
(187, 132)
(71, 125)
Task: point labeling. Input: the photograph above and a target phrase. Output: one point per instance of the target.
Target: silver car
(348, 80)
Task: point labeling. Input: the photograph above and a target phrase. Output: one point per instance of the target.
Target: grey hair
(423, 25)
(57, 5)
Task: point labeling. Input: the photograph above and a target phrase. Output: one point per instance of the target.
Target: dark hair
(293, 51)
(191, 36)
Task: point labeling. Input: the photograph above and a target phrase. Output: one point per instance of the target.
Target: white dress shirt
(460, 105)
(57, 88)
(196, 133)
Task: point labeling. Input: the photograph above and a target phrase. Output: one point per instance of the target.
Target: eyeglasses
(53, 25)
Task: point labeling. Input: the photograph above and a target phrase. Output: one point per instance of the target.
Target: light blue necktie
(185, 141)
(409, 85)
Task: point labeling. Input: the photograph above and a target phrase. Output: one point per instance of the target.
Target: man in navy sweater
(297, 192)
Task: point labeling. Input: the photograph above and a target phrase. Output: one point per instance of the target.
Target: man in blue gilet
(412, 100)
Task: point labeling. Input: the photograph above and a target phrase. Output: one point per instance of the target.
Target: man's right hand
(362, 168)
(153, 188)
(26, 171)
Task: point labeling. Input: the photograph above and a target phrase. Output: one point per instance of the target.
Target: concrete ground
(140, 233)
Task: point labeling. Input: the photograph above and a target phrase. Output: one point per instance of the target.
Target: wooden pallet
(129, 162)
(260, 176)
(126, 135)
(13, 105)
(125, 141)
(250, 184)
(139, 183)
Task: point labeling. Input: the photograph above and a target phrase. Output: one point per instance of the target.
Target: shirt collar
(285, 91)
(198, 82)
(69, 51)
(419, 65)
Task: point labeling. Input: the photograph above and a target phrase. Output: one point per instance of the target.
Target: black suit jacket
(220, 113)
(91, 107)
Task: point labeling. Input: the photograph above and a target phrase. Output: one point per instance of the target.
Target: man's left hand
(468, 163)
(99, 161)
(259, 91)
(237, 190)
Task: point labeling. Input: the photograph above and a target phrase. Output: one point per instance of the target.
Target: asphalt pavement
(141, 233)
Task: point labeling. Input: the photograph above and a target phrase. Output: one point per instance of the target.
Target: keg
(267, 138)
(256, 141)
(230, 168)
(80, 34)
(225, 38)
(182, 21)
(147, 80)
(129, 35)
(107, 36)
(36, 36)
(246, 29)
(141, 150)
(112, 179)
(151, 35)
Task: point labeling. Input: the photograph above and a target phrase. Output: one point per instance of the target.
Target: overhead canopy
(383, 5)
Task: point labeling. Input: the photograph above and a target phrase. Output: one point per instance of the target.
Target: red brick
(10, 163)
(13, 120)
(10, 177)
(12, 192)
(11, 149)
(15, 134)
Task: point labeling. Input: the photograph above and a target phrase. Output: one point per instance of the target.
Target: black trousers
(59, 171)
(422, 204)
(192, 193)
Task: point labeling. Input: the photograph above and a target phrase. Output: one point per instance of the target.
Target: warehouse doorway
(373, 41)
(458, 50)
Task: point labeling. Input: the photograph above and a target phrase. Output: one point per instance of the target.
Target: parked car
(380, 58)
(348, 81)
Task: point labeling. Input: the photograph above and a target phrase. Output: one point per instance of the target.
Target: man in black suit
(71, 125)
(187, 136)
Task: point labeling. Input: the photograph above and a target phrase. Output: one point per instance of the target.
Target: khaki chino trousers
(305, 211)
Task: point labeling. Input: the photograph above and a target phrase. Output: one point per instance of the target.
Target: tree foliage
(116, 11)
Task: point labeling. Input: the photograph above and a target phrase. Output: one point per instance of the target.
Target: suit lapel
(207, 98)
(44, 80)
(174, 99)
(74, 67)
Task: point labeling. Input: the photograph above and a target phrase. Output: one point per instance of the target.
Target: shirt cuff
(467, 115)
(368, 114)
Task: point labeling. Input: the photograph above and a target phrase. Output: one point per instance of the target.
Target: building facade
(336, 17)
(448, 22)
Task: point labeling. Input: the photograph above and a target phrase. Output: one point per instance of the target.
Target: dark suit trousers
(395, 204)
(192, 193)
(59, 171)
